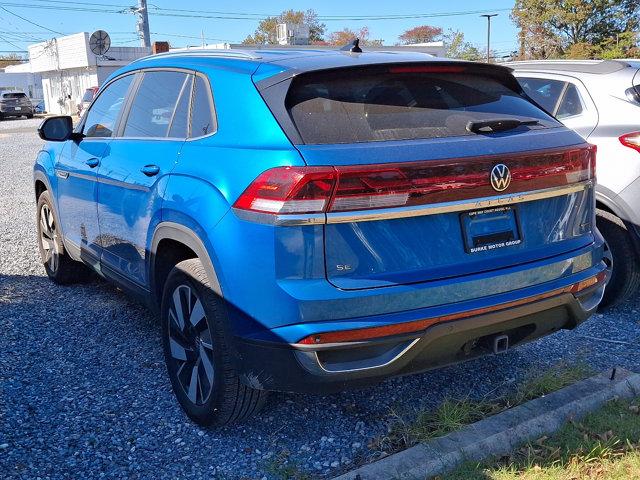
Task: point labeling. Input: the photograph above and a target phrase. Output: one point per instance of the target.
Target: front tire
(60, 267)
(196, 350)
(621, 259)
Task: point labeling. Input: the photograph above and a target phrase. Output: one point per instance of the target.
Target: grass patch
(604, 445)
(454, 414)
(281, 467)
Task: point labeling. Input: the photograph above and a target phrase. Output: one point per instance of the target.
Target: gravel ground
(85, 393)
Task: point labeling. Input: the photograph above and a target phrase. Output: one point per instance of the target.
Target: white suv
(600, 100)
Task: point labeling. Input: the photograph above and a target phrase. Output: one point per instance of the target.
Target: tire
(197, 355)
(60, 267)
(30, 116)
(621, 258)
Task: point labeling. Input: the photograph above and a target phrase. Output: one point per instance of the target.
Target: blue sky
(62, 16)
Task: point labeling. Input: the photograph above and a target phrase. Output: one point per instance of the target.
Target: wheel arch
(187, 238)
(40, 183)
(603, 202)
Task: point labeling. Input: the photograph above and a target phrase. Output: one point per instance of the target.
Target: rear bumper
(335, 367)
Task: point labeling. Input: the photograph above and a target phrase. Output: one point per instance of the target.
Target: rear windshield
(350, 106)
(14, 95)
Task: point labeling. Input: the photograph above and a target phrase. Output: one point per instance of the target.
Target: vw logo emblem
(500, 177)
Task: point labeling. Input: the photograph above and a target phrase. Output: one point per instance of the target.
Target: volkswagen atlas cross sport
(600, 100)
(312, 220)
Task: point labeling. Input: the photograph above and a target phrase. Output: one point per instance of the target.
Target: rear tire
(60, 267)
(196, 350)
(621, 258)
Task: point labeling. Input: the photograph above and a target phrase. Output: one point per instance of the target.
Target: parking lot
(85, 392)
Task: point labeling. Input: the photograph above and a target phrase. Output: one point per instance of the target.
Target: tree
(581, 28)
(457, 47)
(10, 59)
(346, 35)
(421, 34)
(266, 31)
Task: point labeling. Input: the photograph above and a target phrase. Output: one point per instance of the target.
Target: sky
(41, 19)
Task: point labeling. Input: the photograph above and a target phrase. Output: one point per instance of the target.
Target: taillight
(301, 190)
(292, 190)
(631, 140)
(427, 69)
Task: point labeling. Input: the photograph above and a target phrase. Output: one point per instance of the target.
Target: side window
(180, 120)
(154, 103)
(103, 114)
(571, 103)
(544, 91)
(202, 118)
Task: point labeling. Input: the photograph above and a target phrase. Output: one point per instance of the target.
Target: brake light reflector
(427, 69)
(303, 190)
(631, 140)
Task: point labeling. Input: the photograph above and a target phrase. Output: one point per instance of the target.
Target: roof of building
(596, 67)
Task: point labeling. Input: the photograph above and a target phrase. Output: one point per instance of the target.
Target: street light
(488, 17)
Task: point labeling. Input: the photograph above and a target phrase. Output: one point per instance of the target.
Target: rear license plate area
(490, 229)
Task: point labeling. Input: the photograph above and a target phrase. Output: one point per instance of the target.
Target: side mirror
(56, 129)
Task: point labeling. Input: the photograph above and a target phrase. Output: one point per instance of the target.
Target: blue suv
(312, 220)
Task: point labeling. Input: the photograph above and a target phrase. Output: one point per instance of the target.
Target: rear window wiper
(497, 125)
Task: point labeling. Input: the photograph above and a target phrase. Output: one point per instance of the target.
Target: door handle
(93, 162)
(150, 170)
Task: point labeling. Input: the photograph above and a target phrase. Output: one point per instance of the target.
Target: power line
(29, 21)
(219, 15)
(7, 41)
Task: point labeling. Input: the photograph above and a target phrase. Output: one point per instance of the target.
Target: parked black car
(15, 104)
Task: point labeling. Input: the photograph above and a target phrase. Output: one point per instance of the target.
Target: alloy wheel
(191, 345)
(49, 238)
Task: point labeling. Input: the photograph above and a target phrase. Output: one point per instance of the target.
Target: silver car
(600, 99)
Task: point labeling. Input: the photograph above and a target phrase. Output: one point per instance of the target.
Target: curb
(502, 433)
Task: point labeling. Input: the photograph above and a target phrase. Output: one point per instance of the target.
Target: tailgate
(427, 171)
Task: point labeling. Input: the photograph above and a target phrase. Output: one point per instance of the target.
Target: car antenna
(353, 47)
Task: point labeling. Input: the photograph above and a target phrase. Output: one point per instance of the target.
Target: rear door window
(154, 103)
(180, 121)
(544, 91)
(349, 106)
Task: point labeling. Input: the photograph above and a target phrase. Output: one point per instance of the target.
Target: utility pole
(143, 23)
(488, 17)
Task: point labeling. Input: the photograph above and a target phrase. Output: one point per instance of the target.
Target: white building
(68, 67)
(20, 77)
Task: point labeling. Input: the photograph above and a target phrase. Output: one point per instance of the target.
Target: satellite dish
(100, 42)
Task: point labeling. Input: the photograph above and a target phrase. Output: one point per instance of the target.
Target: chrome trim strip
(414, 211)
(62, 174)
(281, 220)
(388, 362)
(457, 206)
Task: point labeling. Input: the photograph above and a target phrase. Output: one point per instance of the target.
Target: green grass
(604, 445)
(454, 414)
(281, 467)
